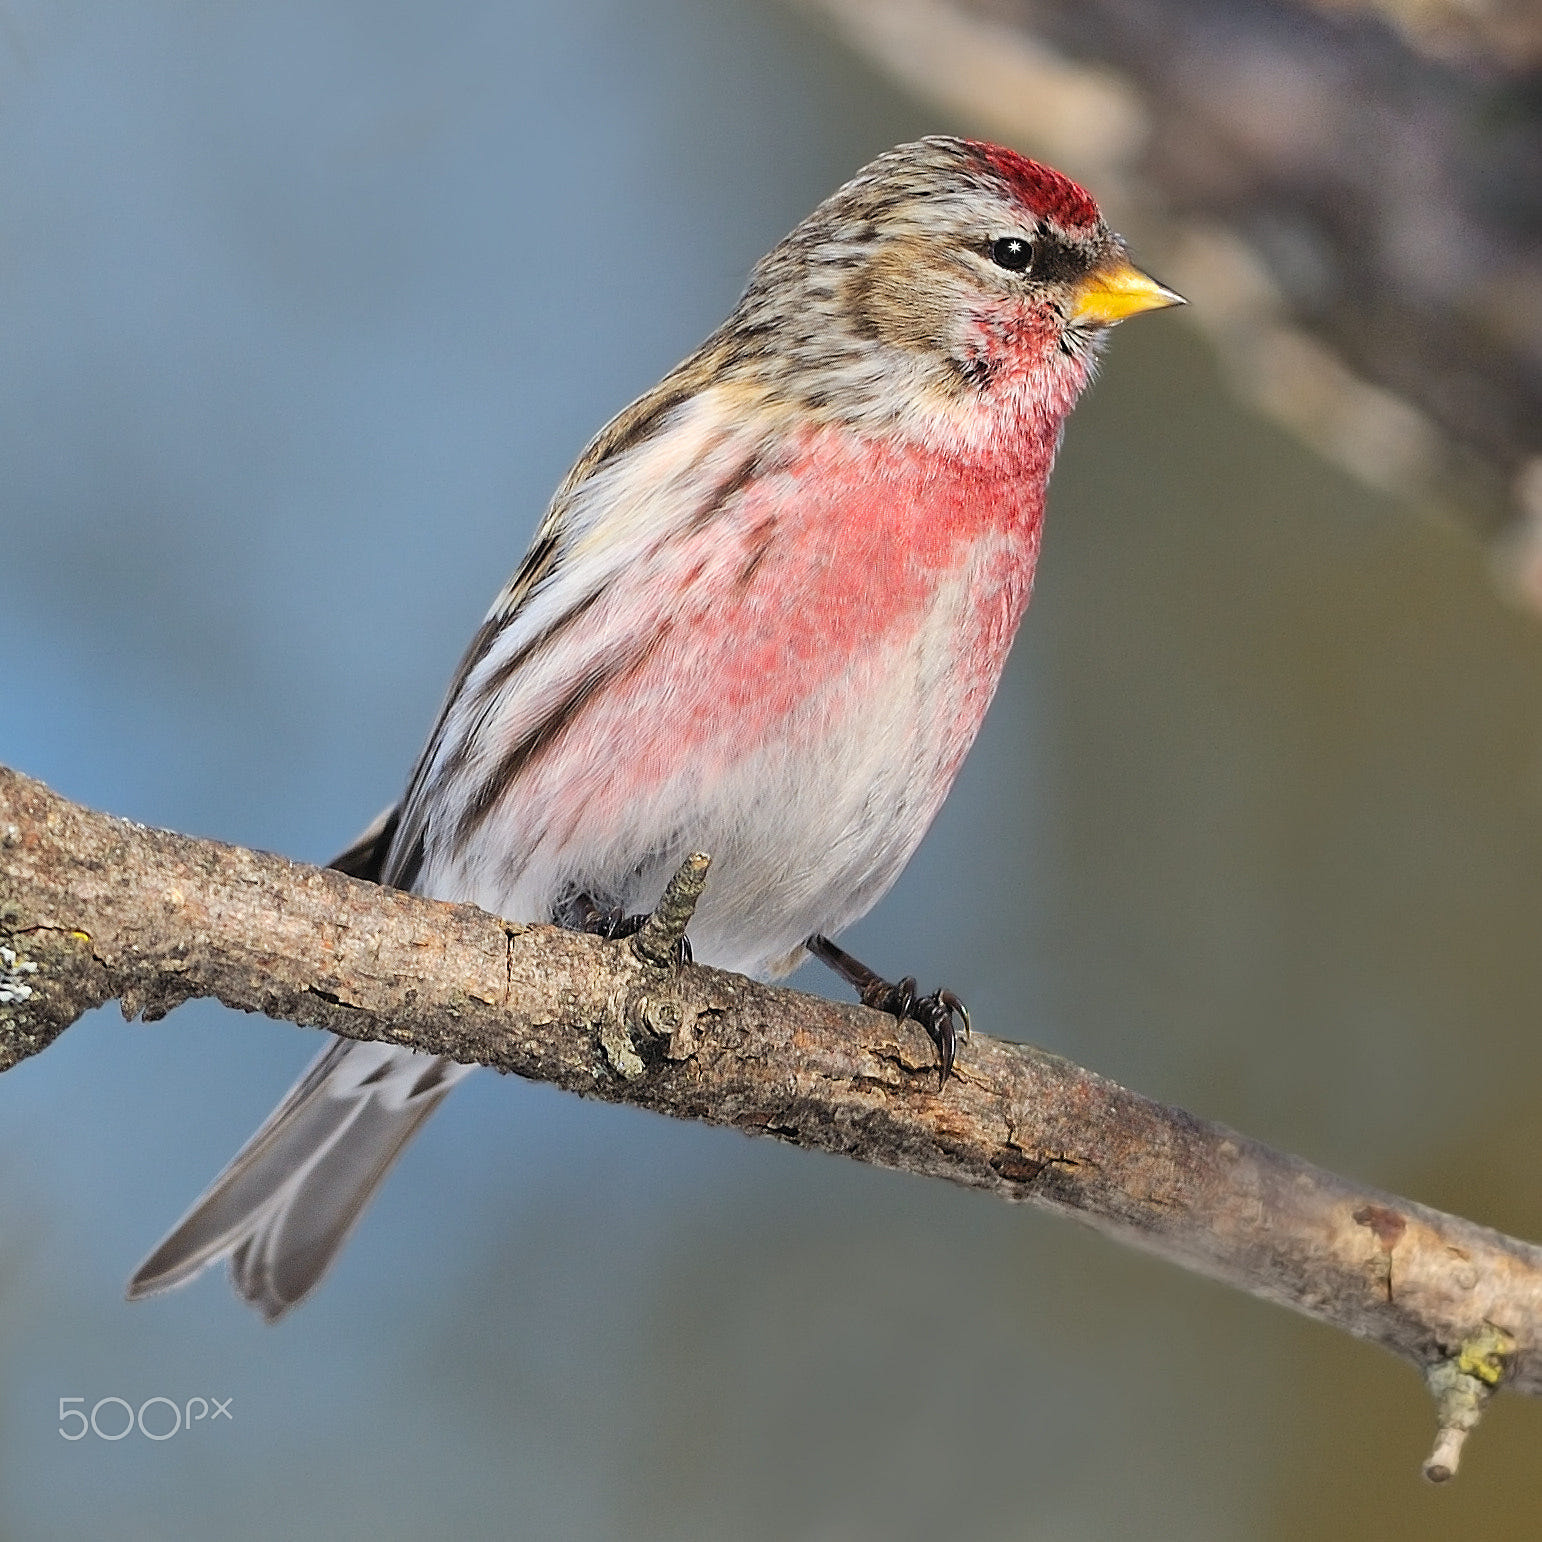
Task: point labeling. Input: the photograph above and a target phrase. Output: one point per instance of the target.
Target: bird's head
(947, 275)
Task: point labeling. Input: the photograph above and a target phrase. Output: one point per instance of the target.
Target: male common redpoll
(762, 618)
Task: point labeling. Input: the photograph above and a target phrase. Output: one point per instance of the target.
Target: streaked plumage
(763, 618)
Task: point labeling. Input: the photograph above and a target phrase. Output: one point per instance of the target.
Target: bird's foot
(941, 1013)
(583, 913)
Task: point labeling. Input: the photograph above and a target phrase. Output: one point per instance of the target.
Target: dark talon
(953, 1004)
(935, 1013)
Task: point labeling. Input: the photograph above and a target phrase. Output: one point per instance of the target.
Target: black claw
(935, 1013)
(953, 1004)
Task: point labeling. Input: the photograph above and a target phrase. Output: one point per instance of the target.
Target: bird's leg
(584, 913)
(935, 1013)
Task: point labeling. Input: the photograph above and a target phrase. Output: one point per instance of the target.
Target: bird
(762, 618)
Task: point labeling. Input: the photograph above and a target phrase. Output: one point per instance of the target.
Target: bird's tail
(286, 1203)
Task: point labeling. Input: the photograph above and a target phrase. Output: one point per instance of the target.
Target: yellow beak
(1115, 291)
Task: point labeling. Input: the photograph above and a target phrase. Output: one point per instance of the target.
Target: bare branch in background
(1350, 191)
(94, 909)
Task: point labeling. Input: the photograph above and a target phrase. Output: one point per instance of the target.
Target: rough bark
(1350, 192)
(94, 908)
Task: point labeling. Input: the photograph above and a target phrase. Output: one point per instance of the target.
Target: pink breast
(783, 612)
(847, 548)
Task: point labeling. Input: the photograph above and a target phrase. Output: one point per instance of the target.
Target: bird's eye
(1012, 253)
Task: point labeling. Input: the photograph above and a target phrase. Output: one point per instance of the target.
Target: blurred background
(304, 310)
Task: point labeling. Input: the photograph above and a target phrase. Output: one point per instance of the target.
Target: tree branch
(94, 908)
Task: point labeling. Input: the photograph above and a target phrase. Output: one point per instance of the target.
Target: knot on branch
(1461, 1385)
(635, 1036)
(660, 940)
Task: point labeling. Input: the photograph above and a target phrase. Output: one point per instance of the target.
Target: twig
(659, 939)
(94, 908)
